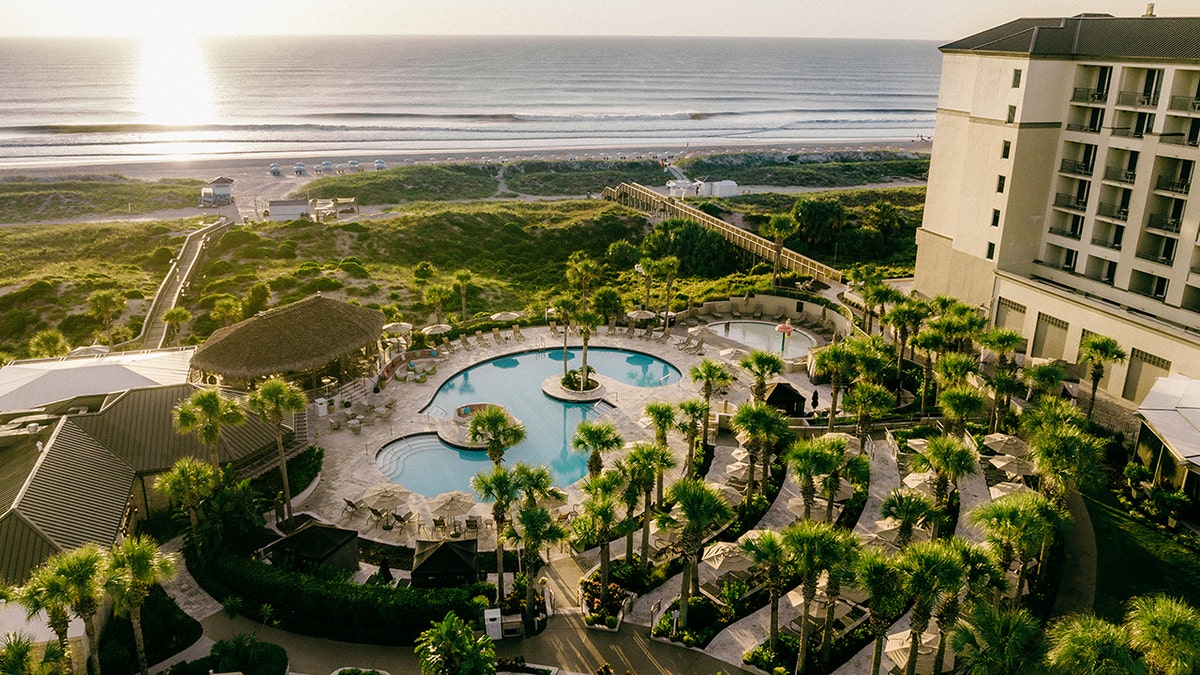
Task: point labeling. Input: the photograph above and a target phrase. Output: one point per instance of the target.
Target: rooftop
(1089, 36)
(1172, 409)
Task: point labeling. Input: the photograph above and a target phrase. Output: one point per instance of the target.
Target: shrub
(302, 471)
(168, 630)
(244, 654)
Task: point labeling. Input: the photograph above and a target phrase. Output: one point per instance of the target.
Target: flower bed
(599, 613)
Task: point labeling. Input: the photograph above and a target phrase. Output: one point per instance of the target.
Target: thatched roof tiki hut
(306, 337)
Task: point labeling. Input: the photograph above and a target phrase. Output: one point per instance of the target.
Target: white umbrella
(852, 444)
(751, 535)
(918, 444)
(696, 329)
(1012, 465)
(845, 490)
(397, 327)
(1004, 444)
(920, 481)
(436, 329)
(727, 492)
(1001, 489)
(386, 496)
(726, 556)
(897, 648)
(664, 534)
(741, 455)
(506, 316)
(640, 314)
(738, 470)
(451, 504)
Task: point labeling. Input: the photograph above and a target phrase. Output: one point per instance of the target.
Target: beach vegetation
(579, 177)
(25, 199)
(834, 169)
(435, 182)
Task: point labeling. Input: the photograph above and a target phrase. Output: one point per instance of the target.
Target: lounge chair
(554, 329)
(376, 515)
(736, 314)
(631, 331)
(665, 337)
(350, 506)
(462, 340)
(447, 346)
(695, 349)
(516, 331)
(685, 343)
(481, 340)
(758, 311)
(497, 337)
(334, 423)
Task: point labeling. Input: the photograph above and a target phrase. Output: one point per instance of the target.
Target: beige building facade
(1060, 193)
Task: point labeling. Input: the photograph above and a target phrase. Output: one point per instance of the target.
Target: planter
(629, 598)
(351, 670)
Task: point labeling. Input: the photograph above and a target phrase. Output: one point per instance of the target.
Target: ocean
(103, 99)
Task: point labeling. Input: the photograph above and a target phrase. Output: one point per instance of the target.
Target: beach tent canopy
(443, 564)
(302, 336)
(315, 543)
(783, 396)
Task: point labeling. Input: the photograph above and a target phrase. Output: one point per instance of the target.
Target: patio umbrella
(920, 481)
(751, 535)
(1012, 465)
(918, 444)
(386, 496)
(897, 647)
(852, 444)
(892, 534)
(451, 504)
(436, 329)
(641, 314)
(1004, 444)
(506, 316)
(696, 329)
(741, 455)
(664, 534)
(1007, 488)
(738, 470)
(726, 556)
(727, 492)
(552, 502)
(397, 327)
(845, 491)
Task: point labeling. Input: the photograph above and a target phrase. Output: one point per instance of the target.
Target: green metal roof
(1098, 36)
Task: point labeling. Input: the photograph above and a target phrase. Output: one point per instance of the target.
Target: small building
(1169, 439)
(445, 564)
(710, 187)
(782, 396)
(222, 189)
(680, 188)
(283, 210)
(314, 544)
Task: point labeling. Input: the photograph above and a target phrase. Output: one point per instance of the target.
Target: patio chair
(473, 525)
(696, 347)
(758, 311)
(736, 314)
(350, 506)
(355, 426)
(648, 333)
(334, 423)
(447, 346)
(462, 340)
(376, 515)
(497, 337)
(665, 337)
(440, 525)
(481, 340)
(685, 343)
(516, 330)
(554, 329)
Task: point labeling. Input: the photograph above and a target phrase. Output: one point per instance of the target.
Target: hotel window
(991, 252)
(1005, 149)
(1012, 114)
(995, 217)
(1016, 78)
(1000, 184)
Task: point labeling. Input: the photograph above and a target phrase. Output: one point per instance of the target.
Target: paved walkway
(1077, 586)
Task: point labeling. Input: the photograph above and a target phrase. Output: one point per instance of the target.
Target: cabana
(314, 544)
(445, 564)
(783, 396)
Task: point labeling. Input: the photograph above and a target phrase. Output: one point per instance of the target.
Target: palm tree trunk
(283, 474)
(659, 485)
(499, 564)
(707, 415)
(774, 618)
(877, 657)
(833, 590)
(1020, 582)
(802, 652)
(93, 638)
(829, 508)
(646, 531)
(833, 402)
(914, 638)
(564, 330)
(583, 379)
(753, 461)
(1095, 386)
(604, 566)
(940, 657)
(139, 640)
(629, 536)
(685, 590)
(764, 457)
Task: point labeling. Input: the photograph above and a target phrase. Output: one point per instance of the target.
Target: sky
(906, 19)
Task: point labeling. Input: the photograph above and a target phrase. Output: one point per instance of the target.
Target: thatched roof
(304, 335)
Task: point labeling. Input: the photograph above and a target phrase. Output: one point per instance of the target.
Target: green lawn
(1133, 559)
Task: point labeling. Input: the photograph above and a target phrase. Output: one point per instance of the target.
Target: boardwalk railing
(644, 199)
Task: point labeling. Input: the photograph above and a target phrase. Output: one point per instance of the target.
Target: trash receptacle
(322, 407)
(491, 623)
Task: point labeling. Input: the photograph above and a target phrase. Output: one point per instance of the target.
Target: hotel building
(1060, 192)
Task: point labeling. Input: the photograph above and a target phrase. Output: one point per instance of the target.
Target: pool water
(426, 465)
(762, 335)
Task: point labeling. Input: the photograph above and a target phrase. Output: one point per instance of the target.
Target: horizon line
(483, 35)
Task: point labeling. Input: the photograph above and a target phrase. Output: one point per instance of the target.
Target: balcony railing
(1167, 260)
(1190, 103)
(1085, 95)
(1128, 132)
(1120, 175)
(1164, 223)
(1086, 128)
(1064, 233)
(1137, 99)
(1180, 139)
(1070, 202)
(1076, 167)
(1107, 244)
(1112, 211)
(1170, 184)
(1195, 269)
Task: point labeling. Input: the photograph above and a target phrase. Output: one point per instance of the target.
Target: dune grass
(25, 200)
(432, 182)
(840, 169)
(579, 177)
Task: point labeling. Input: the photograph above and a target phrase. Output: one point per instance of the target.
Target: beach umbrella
(785, 329)
(741, 455)
(845, 490)
(397, 327)
(726, 556)
(451, 504)
(386, 496)
(738, 470)
(436, 329)
(897, 647)
(1012, 465)
(664, 534)
(552, 502)
(918, 444)
(751, 535)
(727, 492)
(1007, 488)
(506, 362)
(506, 316)
(640, 314)
(1005, 444)
(920, 481)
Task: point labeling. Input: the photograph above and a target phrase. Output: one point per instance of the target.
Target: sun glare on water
(174, 87)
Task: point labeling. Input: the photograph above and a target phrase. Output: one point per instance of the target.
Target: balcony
(1160, 259)
(1076, 167)
(1070, 202)
(1169, 184)
(1187, 103)
(1116, 173)
(1085, 95)
(1106, 244)
(1137, 99)
(1086, 128)
(1195, 269)
(1128, 132)
(1112, 211)
(1064, 233)
(1179, 139)
(1164, 223)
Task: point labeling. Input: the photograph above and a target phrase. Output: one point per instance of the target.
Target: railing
(1180, 139)
(1137, 98)
(1085, 95)
(1164, 223)
(645, 199)
(1116, 246)
(1194, 269)
(1189, 103)
(1128, 132)
(1120, 175)
(1086, 128)
(1112, 211)
(1070, 202)
(1155, 258)
(1076, 167)
(1064, 233)
(1170, 184)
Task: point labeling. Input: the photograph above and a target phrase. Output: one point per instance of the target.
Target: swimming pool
(762, 335)
(426, 465)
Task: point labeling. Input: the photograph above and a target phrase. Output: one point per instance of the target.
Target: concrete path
(972, 491)
(1077, 585)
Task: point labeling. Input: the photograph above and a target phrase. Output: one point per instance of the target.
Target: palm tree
(650, 459)
(17, 656)
(876, 296)
(960, 404)
(1004, 384)
(107, 306)
(903, 317)
(838, 363)
(762, 366)
(844, 550)
(1049, 413)
(494, 428)
(1065, 458)
(810, 458)
(206, 413)
(586, 323)
(949, 460)
(136, 565)
(909, 507)
(462, 281)
(45, 591)
(1052, 521)
(1099, 351)
(1166, 631)
(979, 572)
(273, 401)
(930, 567)
(774, 564)
(998, 641)
(534, 528)
(83, 573)
(565, 308)
(662, 418)
(929, 341)
(227, 311)
(535, 483)
(777, 229)
(814, 548)
(669, 267)
(1042, 378)
(1002, 342)
(634, 478)
(693, 414)
(883, 579)
(1004, 524)
(498, 486)
(1086, 644)
(189, 483)
(437, 295)
(596, 438)
(854, 467)
(450, 647)
(582, 269)
(952, 369)
(868, 401)
(598, 520)
(713, 378)
(174, 318)
(763, 426)
(702, 511)
(48, 343)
